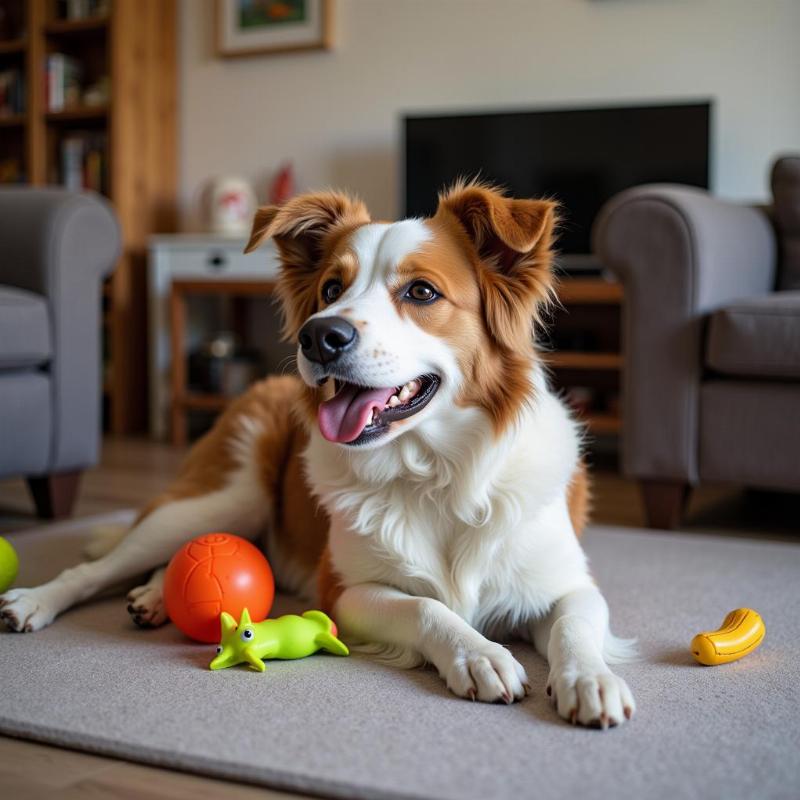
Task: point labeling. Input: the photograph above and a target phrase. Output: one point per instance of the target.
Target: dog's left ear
(512, 240)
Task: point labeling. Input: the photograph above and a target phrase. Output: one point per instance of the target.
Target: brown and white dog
(421, 477)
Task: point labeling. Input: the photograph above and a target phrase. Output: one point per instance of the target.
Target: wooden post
(177, 316)
(664, 502)
(54, 495)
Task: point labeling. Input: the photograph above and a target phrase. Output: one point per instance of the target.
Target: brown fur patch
(579, 498)
(512, 245)
(336, 264)
(301, 526)
(305, 230)
(490, 259)
(329, 583)
(210, 461)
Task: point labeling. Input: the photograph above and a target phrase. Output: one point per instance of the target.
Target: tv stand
(582, 265)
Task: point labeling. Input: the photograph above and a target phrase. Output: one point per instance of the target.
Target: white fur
(445, 534)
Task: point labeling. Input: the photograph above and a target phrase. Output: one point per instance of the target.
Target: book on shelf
(12, 92)
(84, 162)
(62, 82)
(82, 9)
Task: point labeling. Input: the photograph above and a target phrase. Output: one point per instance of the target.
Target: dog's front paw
(596, 698)
(25, 610)
(146, 606)
(488, 673)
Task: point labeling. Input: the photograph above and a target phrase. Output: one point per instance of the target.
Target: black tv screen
(578, 157)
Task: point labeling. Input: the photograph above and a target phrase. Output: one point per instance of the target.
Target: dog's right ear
(300, 225)
(301, 229)
(261, 224)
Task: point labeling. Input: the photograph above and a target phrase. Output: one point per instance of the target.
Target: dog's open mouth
(358, 414)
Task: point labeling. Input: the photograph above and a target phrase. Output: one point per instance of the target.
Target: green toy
(9, 564)
(286, 637)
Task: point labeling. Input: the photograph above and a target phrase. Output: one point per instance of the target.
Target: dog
(419, 478)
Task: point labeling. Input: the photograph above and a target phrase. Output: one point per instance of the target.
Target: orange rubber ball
(215, 573)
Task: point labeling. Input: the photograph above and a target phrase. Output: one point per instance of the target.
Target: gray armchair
(711, 387)
(55, 248)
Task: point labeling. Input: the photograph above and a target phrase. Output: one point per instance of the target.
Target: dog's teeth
(394, 401)
(410, 389)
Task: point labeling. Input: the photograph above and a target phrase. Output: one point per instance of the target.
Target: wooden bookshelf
(586, 355)
(603, 424)
(589, 291)
(589, 361)
(67, 26)
(12, 121)
(77, 114)
(134, 47)
(13, 46)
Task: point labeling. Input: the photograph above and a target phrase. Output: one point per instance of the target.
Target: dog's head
(396, 320)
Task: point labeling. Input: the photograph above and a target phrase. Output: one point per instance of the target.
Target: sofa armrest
(60, 244)
(680, 254)
(785, 180)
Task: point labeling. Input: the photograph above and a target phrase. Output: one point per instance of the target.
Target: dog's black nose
(324, 339)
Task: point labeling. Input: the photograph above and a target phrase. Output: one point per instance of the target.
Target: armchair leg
(54, 495)
(664, 502)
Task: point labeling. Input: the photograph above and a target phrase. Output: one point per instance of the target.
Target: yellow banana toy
(742, 632)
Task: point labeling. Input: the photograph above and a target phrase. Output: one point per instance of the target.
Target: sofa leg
(54, 495)
(664, 502)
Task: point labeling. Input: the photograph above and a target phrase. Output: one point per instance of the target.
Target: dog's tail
(103, 539)
(620, 651)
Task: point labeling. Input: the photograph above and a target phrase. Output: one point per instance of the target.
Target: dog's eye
(331, 290)
(421, 292)
(247, 635)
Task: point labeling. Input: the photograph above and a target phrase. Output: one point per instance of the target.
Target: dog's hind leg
(227, 483)
(242, 506)
(221, 487)
(146, 602)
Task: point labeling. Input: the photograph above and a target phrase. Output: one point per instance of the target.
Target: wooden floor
(131, 471)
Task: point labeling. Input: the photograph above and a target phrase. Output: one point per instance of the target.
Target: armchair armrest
(60, 244)
(680, 254)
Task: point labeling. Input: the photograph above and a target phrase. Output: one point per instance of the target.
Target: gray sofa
(711, 387)
(55, 248)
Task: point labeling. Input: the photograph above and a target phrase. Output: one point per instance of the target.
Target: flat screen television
(580, 157)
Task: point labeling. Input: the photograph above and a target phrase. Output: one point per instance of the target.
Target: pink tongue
(343, 417)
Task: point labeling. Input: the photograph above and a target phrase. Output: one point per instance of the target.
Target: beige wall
(335, 115)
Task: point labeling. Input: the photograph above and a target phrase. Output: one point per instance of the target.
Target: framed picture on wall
(261, 27)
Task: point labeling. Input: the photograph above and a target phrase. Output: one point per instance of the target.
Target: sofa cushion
(757, 337)
(24, 329)
(749, 433)
(26, 422)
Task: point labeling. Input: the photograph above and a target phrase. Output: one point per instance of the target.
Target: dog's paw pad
(146, 606)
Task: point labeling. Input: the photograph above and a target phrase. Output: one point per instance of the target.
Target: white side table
(190, 256)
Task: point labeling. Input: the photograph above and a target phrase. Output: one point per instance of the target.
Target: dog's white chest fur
(452, 512)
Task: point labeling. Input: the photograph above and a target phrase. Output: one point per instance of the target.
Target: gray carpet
(351, 728)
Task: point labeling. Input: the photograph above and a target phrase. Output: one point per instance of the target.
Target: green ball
(9, 564)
